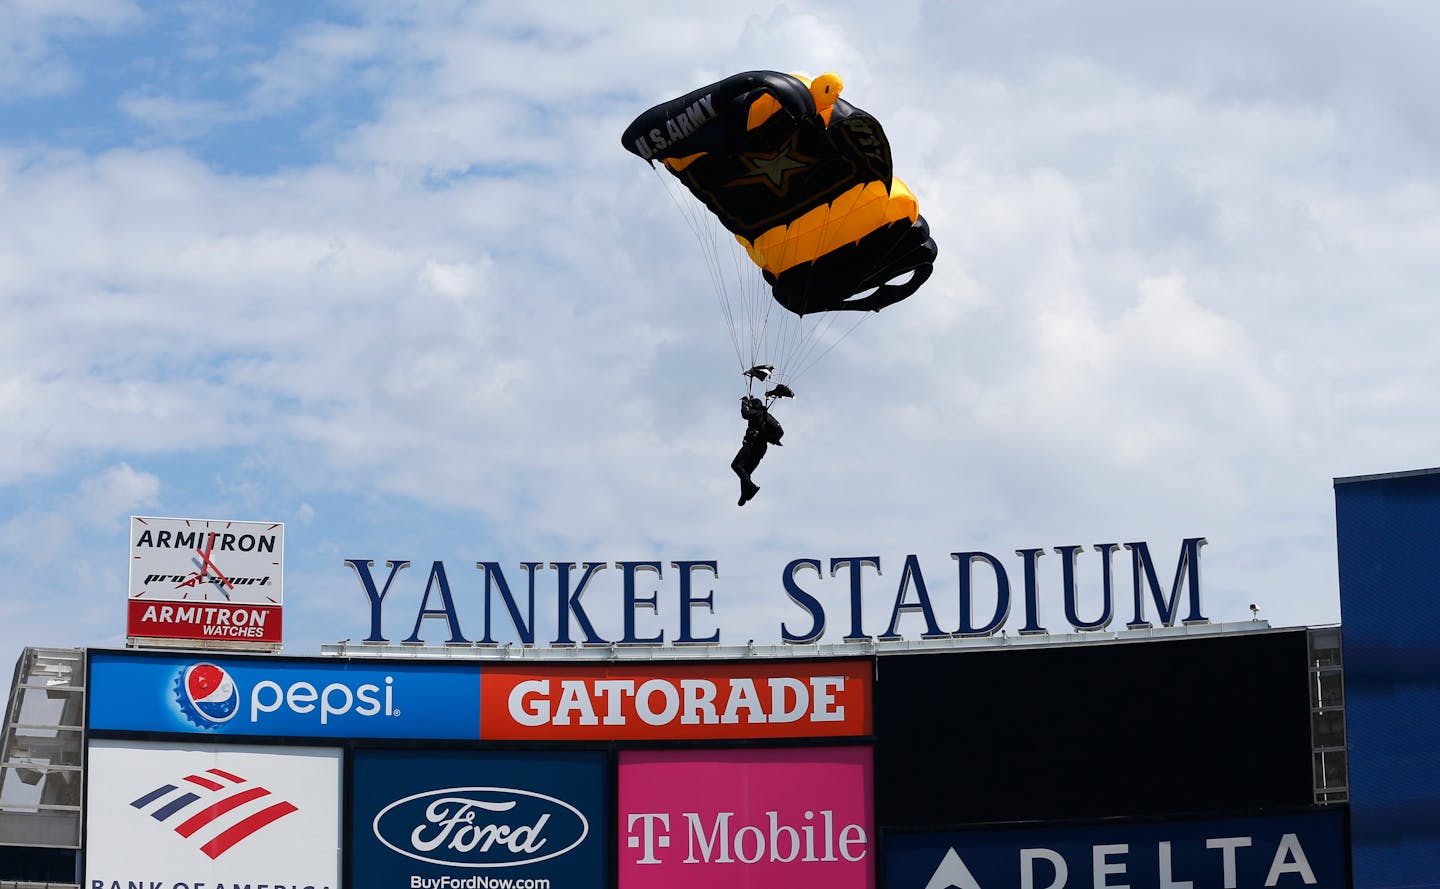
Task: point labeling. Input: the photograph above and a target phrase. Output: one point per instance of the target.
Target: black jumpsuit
(753, 448)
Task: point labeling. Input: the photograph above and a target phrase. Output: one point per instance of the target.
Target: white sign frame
(206, 583)
(175, 814)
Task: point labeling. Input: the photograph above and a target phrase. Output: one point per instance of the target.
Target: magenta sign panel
(747, 819)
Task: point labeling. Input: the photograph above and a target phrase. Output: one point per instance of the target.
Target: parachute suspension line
(798, 335)
(764, 306)
(822, 333)
(808, 360)
(811, 360)
(761, 332)
(703, 228)
(754, 301)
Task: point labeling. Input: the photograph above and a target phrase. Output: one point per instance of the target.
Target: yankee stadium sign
(496, 598)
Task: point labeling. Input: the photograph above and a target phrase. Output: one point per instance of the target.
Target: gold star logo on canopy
(774, 169)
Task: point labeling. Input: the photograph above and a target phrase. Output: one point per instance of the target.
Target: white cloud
(175, 118)
(1168, 303)
(118, 490)
(65, 585)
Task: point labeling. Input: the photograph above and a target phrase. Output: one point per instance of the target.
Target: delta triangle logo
(952, 874)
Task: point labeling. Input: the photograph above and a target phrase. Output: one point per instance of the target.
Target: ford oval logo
(480, 827)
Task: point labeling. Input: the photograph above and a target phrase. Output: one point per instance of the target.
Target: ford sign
(480, 827)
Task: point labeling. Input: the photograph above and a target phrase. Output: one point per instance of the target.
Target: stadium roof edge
(640, 653)
(1381, 476)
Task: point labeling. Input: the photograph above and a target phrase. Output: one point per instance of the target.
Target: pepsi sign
(422, 818)
(251, 696)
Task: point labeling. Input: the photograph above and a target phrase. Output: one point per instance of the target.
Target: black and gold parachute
(803, 180)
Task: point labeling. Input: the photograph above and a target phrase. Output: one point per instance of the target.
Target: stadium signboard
(746, 818)
(1070, 732)
(790, 699)
(480, 818)
(282, 698)
(1299, 849)
(206, 583)
(476, 604)
(212, 815)
(277, 697)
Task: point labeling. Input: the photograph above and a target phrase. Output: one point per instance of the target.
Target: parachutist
(761, 431)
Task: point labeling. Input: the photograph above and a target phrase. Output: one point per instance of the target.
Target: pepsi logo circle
(207, 696)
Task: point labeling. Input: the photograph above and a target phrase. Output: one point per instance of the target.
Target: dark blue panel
(1304, 850)
(1387, 529)
(283, 698)
(36, 865)
(1080, 732)
(429, 818)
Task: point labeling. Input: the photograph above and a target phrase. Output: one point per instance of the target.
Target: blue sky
(383, 272)
(106, 80)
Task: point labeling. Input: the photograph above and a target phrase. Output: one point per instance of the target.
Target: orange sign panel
(668, 702)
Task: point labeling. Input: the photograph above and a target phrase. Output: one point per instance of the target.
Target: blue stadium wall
(1387, 529)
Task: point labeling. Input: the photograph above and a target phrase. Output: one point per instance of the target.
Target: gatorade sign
(794, 699)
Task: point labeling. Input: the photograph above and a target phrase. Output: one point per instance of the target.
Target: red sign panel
(213, 621)
(664, 702)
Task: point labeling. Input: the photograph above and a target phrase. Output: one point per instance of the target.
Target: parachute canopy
(803, 180)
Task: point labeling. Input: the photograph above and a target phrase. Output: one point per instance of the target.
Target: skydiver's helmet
(751, 403)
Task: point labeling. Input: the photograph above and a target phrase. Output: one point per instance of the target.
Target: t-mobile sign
(746, 819)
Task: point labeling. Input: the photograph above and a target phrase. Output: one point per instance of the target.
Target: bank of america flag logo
(215, 809)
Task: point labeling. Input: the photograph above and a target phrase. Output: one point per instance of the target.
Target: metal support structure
(1327, 716)
(42, 751)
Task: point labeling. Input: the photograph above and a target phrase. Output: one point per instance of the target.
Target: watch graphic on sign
(206, 560)
(207, 574)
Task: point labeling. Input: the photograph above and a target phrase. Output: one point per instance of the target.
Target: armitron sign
(203, 581)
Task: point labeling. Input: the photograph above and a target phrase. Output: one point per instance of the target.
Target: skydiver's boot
(748, 489)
